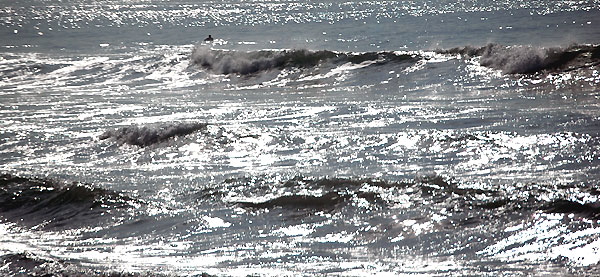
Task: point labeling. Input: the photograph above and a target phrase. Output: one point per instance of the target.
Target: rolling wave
(148, 135)
(435, 192)
(530, 59)
(244, 63)
(48, 204)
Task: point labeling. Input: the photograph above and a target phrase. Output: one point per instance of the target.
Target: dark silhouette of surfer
(209, 38)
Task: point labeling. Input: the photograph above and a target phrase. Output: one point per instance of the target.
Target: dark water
(310, 138)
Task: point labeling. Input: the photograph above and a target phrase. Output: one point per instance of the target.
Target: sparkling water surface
(310, 138)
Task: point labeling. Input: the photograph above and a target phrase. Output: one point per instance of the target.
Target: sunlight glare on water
(308, 138)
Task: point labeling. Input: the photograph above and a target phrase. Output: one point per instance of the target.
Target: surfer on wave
(209, 39)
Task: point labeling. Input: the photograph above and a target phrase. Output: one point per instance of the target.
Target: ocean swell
(148, 135)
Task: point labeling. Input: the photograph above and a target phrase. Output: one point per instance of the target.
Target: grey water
(343, 138)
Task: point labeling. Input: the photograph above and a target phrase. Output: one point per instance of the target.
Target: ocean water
(310, 138)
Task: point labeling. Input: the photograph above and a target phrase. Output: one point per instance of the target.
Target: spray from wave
(530, 59)
(148, 135)
(244, 63)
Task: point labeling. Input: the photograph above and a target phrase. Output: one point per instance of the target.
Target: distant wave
(49, 204)
(227, 62)
(148, 135)
(529, 59)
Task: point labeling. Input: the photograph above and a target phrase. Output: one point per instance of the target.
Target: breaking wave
(530, 59)
(227, 62)
(48, 204)
(148, 135)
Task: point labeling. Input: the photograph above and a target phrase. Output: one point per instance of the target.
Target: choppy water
(310, 138)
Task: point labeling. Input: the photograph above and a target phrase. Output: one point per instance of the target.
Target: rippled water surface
(310, 138)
